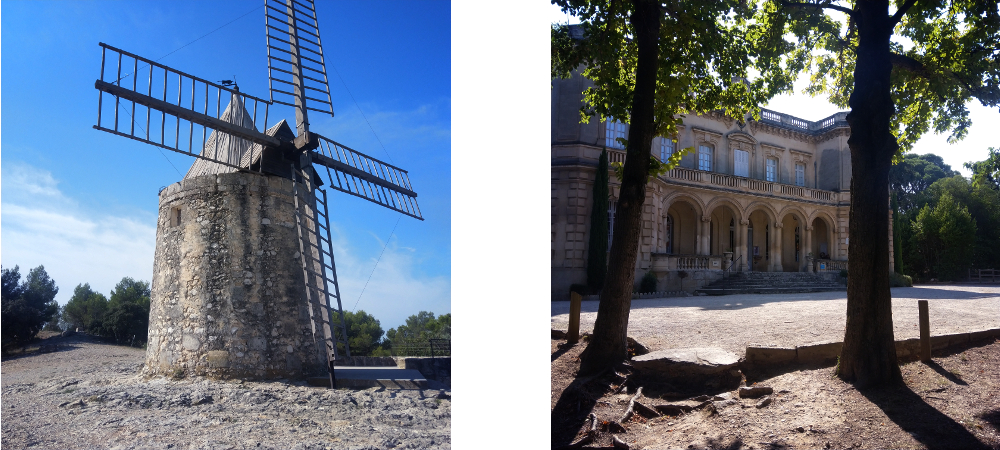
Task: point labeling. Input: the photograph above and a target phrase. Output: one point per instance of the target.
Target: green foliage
(913, 174)
(983, 204)
(412, 338)
(843, 273)
(706, 51)
(944, 237)
(897, 246)
(364, 333)
(127, 316)
(899, 280)
(85, 309)
(952, 59)
(26, 306)
(597, 246)
(648, 283)
(986, 173)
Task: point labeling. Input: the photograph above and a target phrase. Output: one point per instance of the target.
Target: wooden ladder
(319, 270)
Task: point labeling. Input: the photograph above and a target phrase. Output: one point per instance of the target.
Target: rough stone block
(770, 355)
(690, 366)
(982, 335)
(818, 352)
(218, 359)
(948, 340)
(907, 347)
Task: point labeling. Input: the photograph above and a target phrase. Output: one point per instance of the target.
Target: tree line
(945, 224)
(366, 337)
(28, 307)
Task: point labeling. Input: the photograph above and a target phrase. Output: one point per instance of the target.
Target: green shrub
(843, 273)
(900, 280)
(648, 283)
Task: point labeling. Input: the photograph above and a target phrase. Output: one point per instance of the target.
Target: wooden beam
(187, 114)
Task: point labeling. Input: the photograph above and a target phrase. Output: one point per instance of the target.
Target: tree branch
(901, 11)
(909, 64)
(842, 9)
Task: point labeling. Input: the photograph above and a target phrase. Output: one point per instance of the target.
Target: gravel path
(734, 321)
(88, 395)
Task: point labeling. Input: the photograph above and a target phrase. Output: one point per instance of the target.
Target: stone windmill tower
(244, 280)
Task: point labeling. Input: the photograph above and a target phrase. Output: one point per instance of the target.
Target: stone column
(703, 237)
(808, 249)
(776, 248)
(741, 243)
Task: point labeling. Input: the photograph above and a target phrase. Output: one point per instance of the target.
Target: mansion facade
(770, 195)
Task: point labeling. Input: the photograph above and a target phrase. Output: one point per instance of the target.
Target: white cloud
(42, 226)
(396, 290)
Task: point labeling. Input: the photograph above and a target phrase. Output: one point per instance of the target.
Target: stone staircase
(771, 283)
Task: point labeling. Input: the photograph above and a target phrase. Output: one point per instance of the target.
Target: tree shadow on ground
(992, 418)
(31, 350)
(944, 373)
(922, 292)
(563, 348)
(575, 405)
(925, 423)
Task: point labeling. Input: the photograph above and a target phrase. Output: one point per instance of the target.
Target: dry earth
(951, 403)
(88, 395)
(732, 322)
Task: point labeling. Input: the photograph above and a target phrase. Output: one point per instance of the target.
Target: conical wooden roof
(222, 146)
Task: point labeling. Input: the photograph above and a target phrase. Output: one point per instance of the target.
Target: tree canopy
(85, 309)
(412, 337)
(27, 306)
(364, 333)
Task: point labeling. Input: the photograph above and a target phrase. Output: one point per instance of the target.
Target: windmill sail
(143, 100)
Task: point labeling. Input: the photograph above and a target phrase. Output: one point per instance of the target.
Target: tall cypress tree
(597, 255)
(897, 244)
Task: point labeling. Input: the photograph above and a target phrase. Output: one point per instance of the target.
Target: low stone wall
(438, 368)
(826, 352)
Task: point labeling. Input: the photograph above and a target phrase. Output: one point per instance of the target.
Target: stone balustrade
(749, 185)
(829, 265)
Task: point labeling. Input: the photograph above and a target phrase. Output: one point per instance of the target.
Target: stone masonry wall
(228, 298)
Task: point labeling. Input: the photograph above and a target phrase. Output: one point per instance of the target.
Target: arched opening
(723, 229)
(758, 240)
(683, 219)
(820, 239)
(790, 243)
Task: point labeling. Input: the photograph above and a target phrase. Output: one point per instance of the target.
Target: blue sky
(84, 202)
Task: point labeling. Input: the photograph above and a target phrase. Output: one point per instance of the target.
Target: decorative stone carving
(706, 136)
(772, 151)
(742, 141)
(800, 156)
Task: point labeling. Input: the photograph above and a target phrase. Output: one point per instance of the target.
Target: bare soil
(87, 394)
(951, 403)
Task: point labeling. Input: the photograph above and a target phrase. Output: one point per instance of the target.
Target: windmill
(221, 262)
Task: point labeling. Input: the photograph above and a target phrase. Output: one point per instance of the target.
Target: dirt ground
(951, 403)
(88, 394)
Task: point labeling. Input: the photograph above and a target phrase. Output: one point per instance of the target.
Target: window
(666, 148)
(800, 175)
(175, 216)
(614, 130)
(704, 158)
(742, 166)
(772, 169)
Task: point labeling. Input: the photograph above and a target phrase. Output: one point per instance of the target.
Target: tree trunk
(868, 357)
(608, 344)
